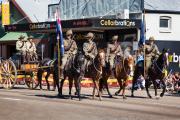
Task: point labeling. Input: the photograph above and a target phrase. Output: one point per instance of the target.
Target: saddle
(117, 60)
(88, 63)
(68, 63)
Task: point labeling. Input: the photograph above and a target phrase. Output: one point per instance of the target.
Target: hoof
(132, 95)
(110, 96)
(150, 97)
(116, 93)
(80, 99)
(75, 93)
(157, 97)
(161, 95)
(124, 97)
(60, 95)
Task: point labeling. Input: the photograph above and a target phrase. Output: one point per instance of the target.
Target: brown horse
(94, 71)
(123, 69)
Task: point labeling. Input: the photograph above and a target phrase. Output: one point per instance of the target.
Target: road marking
(13, 99)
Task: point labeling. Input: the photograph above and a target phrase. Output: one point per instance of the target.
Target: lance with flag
(60, 40)
(142, 41)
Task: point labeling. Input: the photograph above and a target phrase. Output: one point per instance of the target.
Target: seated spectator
(140, 85)
(176, 81)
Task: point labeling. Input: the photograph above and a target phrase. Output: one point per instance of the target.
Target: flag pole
(144, 44)
(59, 57)
(59, 39)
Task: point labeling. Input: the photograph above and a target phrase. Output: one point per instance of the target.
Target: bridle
(155, 63)
(100, 71)
(124, 67)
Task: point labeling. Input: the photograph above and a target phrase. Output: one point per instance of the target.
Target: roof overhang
(21, 11)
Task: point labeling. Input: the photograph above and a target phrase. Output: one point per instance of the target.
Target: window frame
(165, 29)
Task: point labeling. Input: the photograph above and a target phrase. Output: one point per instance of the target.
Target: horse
(46, 65)
(156, 71)
(72, 71)
(123, 69)
(94, 71)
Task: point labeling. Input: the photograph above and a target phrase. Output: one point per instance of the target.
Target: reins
(96, 68)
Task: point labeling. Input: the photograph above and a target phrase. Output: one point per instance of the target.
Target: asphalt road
(24, 104)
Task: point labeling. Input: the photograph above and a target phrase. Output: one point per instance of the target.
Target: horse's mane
(160, 59)
(101, 50)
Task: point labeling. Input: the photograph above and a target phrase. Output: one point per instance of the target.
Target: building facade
(162, 21)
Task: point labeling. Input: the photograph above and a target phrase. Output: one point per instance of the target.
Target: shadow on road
(62, 97)
(173, 94)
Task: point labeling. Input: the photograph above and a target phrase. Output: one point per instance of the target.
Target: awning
(12, 36)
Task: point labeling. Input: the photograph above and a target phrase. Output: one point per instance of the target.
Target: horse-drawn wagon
(12, 68)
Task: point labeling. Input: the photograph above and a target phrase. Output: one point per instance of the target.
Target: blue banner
(59, 35)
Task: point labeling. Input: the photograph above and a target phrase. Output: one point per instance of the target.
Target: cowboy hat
(151, 38)
(69, 32)
(21, 37)
(89, 35)
(115, 37)
(30, 37)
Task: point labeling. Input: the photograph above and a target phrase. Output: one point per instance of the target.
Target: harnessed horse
(47, 63)
(155, 72)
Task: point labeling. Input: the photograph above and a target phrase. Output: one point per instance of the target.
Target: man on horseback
(89, 49)
(70, 49)
(113, 49)
(152, 52)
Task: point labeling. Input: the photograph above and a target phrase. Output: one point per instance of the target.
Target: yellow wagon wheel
(31, 75)
(31, 80)
(8, 74)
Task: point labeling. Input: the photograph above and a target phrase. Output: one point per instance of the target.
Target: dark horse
(155, 72)
(123, 70)
(72, 71)
(93, 71)
(46, 65)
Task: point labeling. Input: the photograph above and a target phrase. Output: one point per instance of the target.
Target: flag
(142, 33)
(59, 36)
